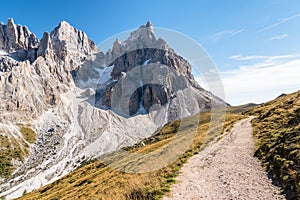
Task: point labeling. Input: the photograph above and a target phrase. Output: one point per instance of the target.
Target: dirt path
(226, 170)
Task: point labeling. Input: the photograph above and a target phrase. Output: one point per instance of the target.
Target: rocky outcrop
(65, 39)
(45, 48)
(152, 89)
(35, 72)
(18, 41)
(16, 37)
(7, 64)
(70, 44)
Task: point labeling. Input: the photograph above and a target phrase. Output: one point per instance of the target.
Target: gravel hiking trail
(225, 170)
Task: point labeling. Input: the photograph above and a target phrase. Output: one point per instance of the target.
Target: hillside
(94, 180)
(15, 149)
(277, 132)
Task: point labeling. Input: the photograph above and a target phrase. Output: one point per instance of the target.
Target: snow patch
(3, 53)
(103, 77)
(147, 61)
(142, 109)
(106, 75)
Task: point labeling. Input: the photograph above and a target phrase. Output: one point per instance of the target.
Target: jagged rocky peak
(45, 48)
(15, 37)
(149, 24)
(63, 41)
(18, 41)
(64, 45)
(117, 42)
(36, 72)
(116, 49)
(65, 38)
(142, 38)
(143, 47)
(149, 61)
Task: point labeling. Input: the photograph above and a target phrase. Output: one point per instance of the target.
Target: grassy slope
(277, 132)
(10, 149)
(94, 180)
(27, 132)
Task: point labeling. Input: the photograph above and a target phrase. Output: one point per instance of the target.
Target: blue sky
(248, 40)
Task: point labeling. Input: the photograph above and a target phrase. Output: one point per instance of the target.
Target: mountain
(152, 84)
(64, 101)
(35, 72)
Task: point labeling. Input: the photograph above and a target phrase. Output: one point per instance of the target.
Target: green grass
(94, 180)
(277, 134)
(11, 149)
(27, 132)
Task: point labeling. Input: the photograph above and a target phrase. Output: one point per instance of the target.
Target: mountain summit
(160, 75)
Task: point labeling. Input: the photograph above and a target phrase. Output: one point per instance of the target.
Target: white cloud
(261, 84)
(265, 60)
(226, 33)
(279, 37)
(264, 80)
(280, 21)
(241, 58)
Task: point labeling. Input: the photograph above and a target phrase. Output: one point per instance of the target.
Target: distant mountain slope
(277, 132)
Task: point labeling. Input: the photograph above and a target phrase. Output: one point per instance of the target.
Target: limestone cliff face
(71, 45)
(34, 72)
(18, 40)
(153, 89)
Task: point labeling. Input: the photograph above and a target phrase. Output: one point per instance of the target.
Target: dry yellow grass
(94, 180)
(12, 148)
(27, 132)
(276, 129)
